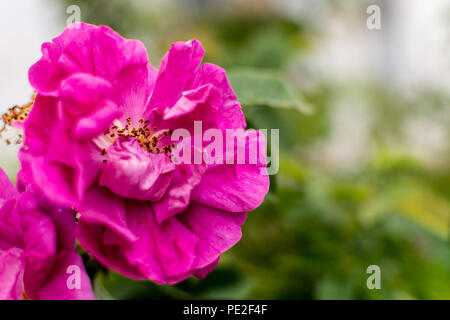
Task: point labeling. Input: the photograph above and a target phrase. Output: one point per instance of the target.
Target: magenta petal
(203, 272)
(40, 248)
(177, 67)
(45, 75)
(12, 260)
(244, 190)
(40, 123)
(60, 286)
(7, 189)
(95, 123)
(58, 179)
(104, 232)
(84, 89)
(231, 115)
(132, 88)
(164, 250)
(12, 264)
(36, 210)
(101, 207)
(177, 197)
(133, 172)
(32, 248)
(190, 100)
(246, 184)
(99, 51)
(216, 229)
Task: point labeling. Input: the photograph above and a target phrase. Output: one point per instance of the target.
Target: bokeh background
(364, 118)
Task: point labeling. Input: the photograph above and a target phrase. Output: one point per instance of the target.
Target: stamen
(16, 114)
(76, 214)
(147, 137)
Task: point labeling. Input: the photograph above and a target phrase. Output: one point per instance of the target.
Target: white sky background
(420, 43)
(24, 26)
(417, 47)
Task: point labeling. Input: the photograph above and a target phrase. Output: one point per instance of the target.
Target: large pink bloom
(141, 213)
(37, 246)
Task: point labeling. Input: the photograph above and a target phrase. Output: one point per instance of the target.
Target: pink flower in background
(98, 138)
(37, 245)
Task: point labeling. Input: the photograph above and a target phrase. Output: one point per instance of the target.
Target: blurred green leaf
(255, 87)
(329, 289)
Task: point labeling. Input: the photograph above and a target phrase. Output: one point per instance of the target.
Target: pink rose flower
(37, 246)
(98, 138)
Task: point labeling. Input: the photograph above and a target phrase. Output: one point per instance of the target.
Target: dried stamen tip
(76, 214)
(16, 114)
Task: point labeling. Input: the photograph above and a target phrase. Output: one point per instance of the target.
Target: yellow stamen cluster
(16, 114)
(147, 137)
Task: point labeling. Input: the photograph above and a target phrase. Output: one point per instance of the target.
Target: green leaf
(256, 87)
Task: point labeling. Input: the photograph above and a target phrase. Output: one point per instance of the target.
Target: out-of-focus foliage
(255, 88)
(320, 227)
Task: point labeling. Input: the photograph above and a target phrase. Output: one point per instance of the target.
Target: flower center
(149, 138)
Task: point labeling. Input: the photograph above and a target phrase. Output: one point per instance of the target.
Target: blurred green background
(364, 168)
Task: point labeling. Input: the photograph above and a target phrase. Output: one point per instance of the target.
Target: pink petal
(11, 273)
(245, 184)
(133, 172)
(216, 229)
(7, 189)
(96, 123)
(163, 251)
(177, 197)
(56, 286)
(190, 100)
(203, 272)
(45, 75)
(100, 52)
(132, 88)
(101, 207)
(231, 115)
(81, 92)
(177, 66)
(40, 247)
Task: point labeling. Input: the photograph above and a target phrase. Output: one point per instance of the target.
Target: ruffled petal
(178, 195)
(160, 252)
(68, 279)
(7, 189)
(101, 207)
(100, 52)
(177, 67)
(12, 264)
(163, 251)
(95, 123)
(231, 115)
(246, 184)
(203, 272)
(190, 100)
(133, 172)
(132, 88)
(40, 249)
(45, 75)
(49, 250)
(245, 189)
(217, 230)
